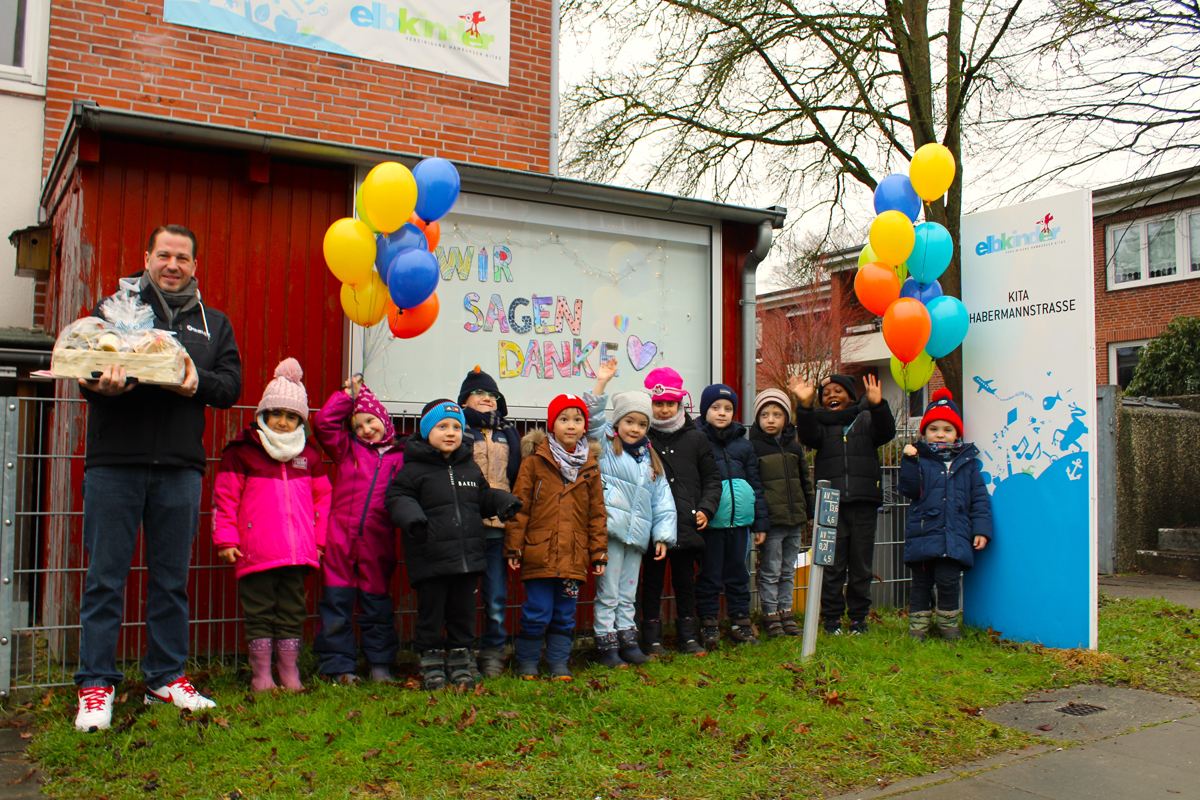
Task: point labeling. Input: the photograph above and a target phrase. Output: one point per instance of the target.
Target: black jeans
(942, 572)
(447, 603)
(273, 602)
(852, 562)
(683, 580)
(724, 567)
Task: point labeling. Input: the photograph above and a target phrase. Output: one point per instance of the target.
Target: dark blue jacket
(951, 506)
(736, 458)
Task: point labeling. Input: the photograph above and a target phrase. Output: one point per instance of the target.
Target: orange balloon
(877, 286)
(415, 220)
(411, 322)
(906, 327)
(432, 231)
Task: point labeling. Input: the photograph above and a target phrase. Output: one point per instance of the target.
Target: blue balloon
(896, 193)
(412, 277)
(949, 321)
(387, 245)
(921, 291)
(438, 185)
(932, 250)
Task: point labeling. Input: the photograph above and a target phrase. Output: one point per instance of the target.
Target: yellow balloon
(892, 237)
(367, 303)
(350, 250)
(915, 374)
(389, 195)
(931, 171)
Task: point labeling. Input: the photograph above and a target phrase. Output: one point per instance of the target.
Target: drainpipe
(554, 100)
(749, 304)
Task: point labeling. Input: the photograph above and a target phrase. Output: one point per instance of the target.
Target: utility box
(33, 251)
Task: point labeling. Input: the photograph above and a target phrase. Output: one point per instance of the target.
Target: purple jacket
(358, 521)
(274, 513)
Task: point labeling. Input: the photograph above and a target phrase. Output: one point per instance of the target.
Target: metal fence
(43, 563)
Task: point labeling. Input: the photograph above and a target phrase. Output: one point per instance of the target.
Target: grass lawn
(750, 722)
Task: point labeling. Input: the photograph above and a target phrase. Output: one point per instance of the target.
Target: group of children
(618, 495)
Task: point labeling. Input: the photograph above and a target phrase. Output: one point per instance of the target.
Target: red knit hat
(565, 401)
(941, 406)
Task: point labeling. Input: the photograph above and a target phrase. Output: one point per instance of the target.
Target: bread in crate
(125, 337)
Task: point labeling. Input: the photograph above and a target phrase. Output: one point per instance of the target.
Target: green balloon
(362, 214)
(866, 256)
(915, 374)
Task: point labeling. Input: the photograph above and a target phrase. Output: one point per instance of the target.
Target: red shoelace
(93, 698)
(184, 685)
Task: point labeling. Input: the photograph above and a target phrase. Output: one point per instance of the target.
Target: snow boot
(710, 634)
(558, 651)
(772, 625)
(742, 632)
(685, 637)
(287, 653)
(652, 637)
(606, 643)
(260, 664)
(458, 664)
(491, 661)
(433, 670)
(788, 620)
(947, 623)
(918, 624)
(627, 647)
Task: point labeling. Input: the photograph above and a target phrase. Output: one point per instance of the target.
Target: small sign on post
(824, 550)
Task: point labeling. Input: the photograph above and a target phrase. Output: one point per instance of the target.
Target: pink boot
(260, 664)
(287, 651)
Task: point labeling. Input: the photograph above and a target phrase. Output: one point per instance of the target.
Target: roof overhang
(1150, 191)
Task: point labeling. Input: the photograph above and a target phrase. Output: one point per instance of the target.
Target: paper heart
(640, 353)
(621, 322)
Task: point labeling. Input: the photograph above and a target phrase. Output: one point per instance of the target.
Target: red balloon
(432, 230)
(906, 327)
(877, 287)
(411, 322)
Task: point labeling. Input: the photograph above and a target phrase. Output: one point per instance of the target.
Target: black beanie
(478, 379)
(844, 381)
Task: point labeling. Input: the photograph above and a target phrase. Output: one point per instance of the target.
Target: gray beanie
(626, 403)
(775, 396)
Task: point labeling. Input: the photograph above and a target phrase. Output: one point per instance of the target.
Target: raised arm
(330, 429)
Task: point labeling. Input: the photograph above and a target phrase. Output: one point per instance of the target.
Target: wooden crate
(163, 368)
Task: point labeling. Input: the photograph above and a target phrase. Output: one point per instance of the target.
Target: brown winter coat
(561, 530)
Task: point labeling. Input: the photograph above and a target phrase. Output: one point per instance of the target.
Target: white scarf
(282, 447)
(668, 425)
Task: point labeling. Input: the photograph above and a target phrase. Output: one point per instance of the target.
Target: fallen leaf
(371, 753)
(355, 714)
(222, 722)
(971, 711)
(302, 737)
(467, 720)
(433, 701)
(329, 737)
(710, 724)
(800, 729)
(508, 714)
(1047, 727)
(604, 735)
(834, 698)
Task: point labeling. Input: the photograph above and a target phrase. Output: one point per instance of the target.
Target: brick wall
(121, 54)
(1141, 313)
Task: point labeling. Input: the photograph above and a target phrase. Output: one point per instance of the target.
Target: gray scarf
(174, 303)
(669, 425)
(569, 464)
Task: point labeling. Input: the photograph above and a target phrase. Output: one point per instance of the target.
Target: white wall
(21, 125)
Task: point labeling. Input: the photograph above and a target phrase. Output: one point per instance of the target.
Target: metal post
(8, 536)
(824, 545)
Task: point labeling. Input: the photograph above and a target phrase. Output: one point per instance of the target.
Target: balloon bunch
(898, 270)
(384, 259)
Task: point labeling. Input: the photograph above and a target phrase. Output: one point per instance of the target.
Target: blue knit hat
(438, 410)
(711, 394)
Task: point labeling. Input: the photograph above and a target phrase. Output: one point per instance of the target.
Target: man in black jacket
(144, 465)
(846, 433)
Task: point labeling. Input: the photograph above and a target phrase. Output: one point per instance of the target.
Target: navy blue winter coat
(951, 506)
(736, 458)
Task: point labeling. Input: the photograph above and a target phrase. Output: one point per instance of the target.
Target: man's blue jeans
(495, 597)
(165, 501)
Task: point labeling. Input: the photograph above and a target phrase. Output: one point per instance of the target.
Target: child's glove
(511, 510)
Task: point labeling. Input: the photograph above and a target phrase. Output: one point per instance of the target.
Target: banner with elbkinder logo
(470, 40)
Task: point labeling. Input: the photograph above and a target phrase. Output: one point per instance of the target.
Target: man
(144, 465)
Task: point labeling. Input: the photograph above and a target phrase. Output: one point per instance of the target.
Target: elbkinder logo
(407, 22)
(1011, 241)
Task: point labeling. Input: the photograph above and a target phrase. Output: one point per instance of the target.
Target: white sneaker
(95, 709)
(181, 694)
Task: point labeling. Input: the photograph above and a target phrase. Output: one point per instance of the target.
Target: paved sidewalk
(19, 778)
(1184, 591)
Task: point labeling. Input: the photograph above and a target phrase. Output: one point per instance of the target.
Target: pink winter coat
(274, 513)
(361, 548)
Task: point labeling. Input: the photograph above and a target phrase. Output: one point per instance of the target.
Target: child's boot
(833, 627)
(918, 624)
(947, 622)
(491, 661)
(627, 647)
(433, 670)
(527, 654)
(458, 664)
(742, 632)
(287, 651)
(260, 665)
(558, 650)
(788, 620)
(381, 673)
(710, 633)
(772, 625)
(652, 637)
(685, 637)
(606, 643)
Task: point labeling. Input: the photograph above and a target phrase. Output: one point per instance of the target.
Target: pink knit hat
(368, 403)
(286, 391)
(665, 383)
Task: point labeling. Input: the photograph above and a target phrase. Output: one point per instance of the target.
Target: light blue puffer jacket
(640, 510)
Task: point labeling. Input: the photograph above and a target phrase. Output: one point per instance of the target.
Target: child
(439, 500)
(360, 554)
(951, 516)
(788, 491)
(270, 507)
(559, 533)
(695, 483)
(846, 433)
(497, 449)
(640, 508)
(727, 537)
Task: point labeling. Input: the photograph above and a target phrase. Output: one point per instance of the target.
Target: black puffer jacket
(439, 505)
(783, 470)
(735, 458)
(695, 479)
(847, 457)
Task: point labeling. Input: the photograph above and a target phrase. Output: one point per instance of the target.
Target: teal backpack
(739, 497)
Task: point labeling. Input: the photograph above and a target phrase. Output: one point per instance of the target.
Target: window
(12, 33)
(1154, 250)
(23, 33)
(1123, 360)
(916, 403)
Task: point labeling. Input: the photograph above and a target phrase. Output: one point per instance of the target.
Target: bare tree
(813, 98)
(803, 336)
